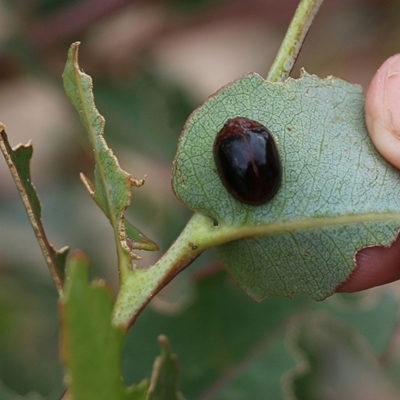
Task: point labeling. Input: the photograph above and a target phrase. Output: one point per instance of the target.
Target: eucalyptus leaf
(338, 194)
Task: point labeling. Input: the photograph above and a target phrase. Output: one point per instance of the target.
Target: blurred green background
(152, 63)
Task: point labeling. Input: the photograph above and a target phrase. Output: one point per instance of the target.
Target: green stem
(142, 284)
(294, 38)
(139, 285)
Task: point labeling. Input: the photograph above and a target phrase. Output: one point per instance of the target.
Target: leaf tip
(163, 341)
(78, 257)
(73, 51)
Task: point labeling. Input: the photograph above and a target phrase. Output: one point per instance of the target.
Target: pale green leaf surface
(112, 185)
(337, 195)
(91, 345)
(334, 361)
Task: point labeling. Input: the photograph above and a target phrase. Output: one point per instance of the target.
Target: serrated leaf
(338, 194)
(333, 359)
(164, 383)
(18, 161)
(112, 185)
(90, 345)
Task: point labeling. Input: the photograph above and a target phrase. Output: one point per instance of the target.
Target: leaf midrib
(225, 233)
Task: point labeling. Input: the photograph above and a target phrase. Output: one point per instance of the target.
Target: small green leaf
(112, 185)
(338, 194)
(333, 360)
(164, 383)
(91, 346)
(18, 161)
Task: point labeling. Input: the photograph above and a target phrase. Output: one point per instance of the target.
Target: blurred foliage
(48, 7)
(144, 106)
(29, 334)
(228, 346)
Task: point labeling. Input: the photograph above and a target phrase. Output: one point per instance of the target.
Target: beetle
(247, 161)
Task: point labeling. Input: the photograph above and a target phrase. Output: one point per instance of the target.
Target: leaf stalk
(293, 41)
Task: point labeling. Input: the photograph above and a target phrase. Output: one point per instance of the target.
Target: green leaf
(112, 185)
(165, 378)
(333, 359)
(18, 161)
(338, 195)
(91, 346)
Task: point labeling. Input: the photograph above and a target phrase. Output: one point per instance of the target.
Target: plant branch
(18, 161)
(141, 284)
(293, 41)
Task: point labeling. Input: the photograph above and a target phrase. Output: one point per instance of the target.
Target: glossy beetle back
(248, 161)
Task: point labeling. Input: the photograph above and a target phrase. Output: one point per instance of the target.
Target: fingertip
(375, 266)
(382, 110)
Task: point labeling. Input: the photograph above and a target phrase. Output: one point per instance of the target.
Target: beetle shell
(248, 161)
